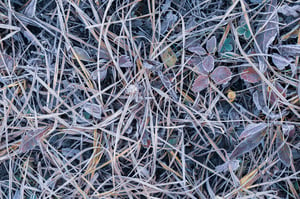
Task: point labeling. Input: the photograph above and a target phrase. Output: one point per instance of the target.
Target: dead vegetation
(149, 99)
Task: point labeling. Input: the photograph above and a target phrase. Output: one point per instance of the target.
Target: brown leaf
(169, 57)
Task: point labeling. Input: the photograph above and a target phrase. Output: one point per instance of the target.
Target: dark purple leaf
(279, 61)
(125, 62)
(250, 75)
(200, 83)
(211, 45)
(197, 49)
(252, 129)
(284, 152)
(248, 144)
(197, 62)
(208, 63)
(221, 75)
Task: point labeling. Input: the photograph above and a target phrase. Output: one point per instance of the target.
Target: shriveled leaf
(252, 129)
(200, 83)
(125, 62)
(169, 57)
(284, 152)
(221, 75)
(231, 95)
(197, 49)
(248, 144)
(290, 10)
(102, 73)
(211, 45)
(94, 110)
(279, 61)
(81, 54)
(31, 139)
(288, 130)
(208, 63)
(250, 75)
(289, 50)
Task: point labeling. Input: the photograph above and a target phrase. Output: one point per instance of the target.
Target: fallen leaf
(252, 129)
(248, 144)
(221, 75)
(169, 57)
(279, 61)
(200, 83)
(211, 45)
(81, 54)
(94, 110)
(31, 139)
(250, 75)
(284, 152)
(197, 49)
(125, 62)
(208, 63)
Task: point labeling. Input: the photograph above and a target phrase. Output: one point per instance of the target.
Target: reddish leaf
(31, 139)
(196, 48)
(221, 75)
(125, 62)
(250, 75)
(248, 144)
(211, 45)
(284, 152)
(252, 129)
(208, 63)
(196, 61)
(200, 83)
